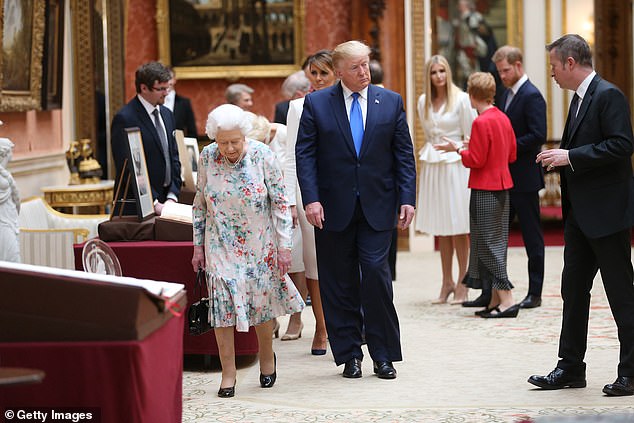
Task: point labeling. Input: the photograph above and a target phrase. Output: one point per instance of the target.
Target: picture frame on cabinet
(207, 40)
(22, 27)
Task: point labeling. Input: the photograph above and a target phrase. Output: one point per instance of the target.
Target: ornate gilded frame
(229, 71)
(28, 98)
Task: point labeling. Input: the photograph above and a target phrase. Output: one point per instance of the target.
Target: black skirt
(489, 224)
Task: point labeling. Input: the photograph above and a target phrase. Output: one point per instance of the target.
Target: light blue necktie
(356, 122)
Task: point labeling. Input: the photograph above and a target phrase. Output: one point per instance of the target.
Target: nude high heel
(293, 336)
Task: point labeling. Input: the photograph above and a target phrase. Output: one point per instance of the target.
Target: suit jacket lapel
(373, 109)
(585, 104)
(341, 115)
(148, 124)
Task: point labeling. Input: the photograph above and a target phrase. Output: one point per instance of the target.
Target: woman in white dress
(321, 73)
(9, 206)
(443, 196)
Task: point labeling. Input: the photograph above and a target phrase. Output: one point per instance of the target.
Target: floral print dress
(241, 216)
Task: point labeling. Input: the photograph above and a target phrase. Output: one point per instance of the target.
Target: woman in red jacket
(490, 150)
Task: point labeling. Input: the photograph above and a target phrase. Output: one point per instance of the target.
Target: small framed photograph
(193, 153)
(139, 174)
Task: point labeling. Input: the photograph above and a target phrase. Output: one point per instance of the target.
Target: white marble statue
(9, 206)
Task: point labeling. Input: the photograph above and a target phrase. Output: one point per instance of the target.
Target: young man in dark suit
(597, 195)
(526, 108)
(156, 122)
(356, 171)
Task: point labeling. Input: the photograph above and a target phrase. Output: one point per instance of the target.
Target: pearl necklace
(234, 164)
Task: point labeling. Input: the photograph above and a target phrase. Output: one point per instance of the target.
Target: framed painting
(469, 31)
(23, 24)
(52, 70)
(231, 39)
(140, 178)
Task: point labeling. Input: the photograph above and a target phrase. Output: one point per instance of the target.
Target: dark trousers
(353, 275)
(526, 206)
(582, 258)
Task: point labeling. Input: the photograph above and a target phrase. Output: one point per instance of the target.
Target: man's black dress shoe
(352, 369)
(384, 370)
(558, 379)
(512, 311)
(531, 301)
(622, 386)
(482, 301)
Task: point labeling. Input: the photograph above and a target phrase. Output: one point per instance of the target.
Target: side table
(83, 195)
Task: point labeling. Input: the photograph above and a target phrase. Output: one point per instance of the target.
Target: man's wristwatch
(459, 149)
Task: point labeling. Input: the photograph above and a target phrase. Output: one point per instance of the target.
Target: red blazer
(491, 148)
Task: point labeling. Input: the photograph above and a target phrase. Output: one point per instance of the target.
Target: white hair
(227, 117)
(295, 82)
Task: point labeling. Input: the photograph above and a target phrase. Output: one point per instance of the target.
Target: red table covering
(128, 381)
(170, 261)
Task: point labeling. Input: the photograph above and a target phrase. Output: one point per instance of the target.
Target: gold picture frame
(223, 45)
(22, 26)
(468, 43)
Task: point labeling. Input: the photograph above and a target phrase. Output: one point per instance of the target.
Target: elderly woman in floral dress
(242, 238)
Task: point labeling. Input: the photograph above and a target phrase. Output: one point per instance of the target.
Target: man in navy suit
(357, 174)
(526, 108)
(146, 111)
(597, 196)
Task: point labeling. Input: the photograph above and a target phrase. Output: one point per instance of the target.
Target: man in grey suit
(526, 108)
(597, 191)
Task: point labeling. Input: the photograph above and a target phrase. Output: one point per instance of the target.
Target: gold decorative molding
(116, 49)
(83, 70)
(31, 98)
(515, 23)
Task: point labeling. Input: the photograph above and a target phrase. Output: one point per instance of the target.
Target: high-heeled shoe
(276, 329)
(293, 336)
(227, 392)
(487, 310)
(318, 351)
(442, 299)
(267, 381)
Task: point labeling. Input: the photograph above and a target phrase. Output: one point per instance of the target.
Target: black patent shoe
(384, 370)
(267, 381)
(482, 301)
(622, 386)
(227, 392)
(558, 379)
(487, 310)
(512, 311)
(531, 301)
(352, 369)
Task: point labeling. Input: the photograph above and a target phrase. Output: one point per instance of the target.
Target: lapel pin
(376, 100)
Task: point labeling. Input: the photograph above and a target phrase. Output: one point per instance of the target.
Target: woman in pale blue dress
(242, 238)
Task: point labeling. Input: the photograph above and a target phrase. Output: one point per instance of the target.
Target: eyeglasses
(162, 89)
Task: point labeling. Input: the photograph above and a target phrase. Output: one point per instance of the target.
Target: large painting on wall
(469, 31)
(230, 38)
(22, 45)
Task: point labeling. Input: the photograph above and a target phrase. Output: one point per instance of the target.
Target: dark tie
(356, 122)
(509, 98)
(572, 113)
(166, 154)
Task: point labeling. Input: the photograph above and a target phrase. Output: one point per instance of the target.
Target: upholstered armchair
(47, 236)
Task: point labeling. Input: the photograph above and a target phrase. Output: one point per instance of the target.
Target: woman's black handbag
(198, 312)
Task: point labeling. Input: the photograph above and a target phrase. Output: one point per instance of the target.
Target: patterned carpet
(456, 368)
